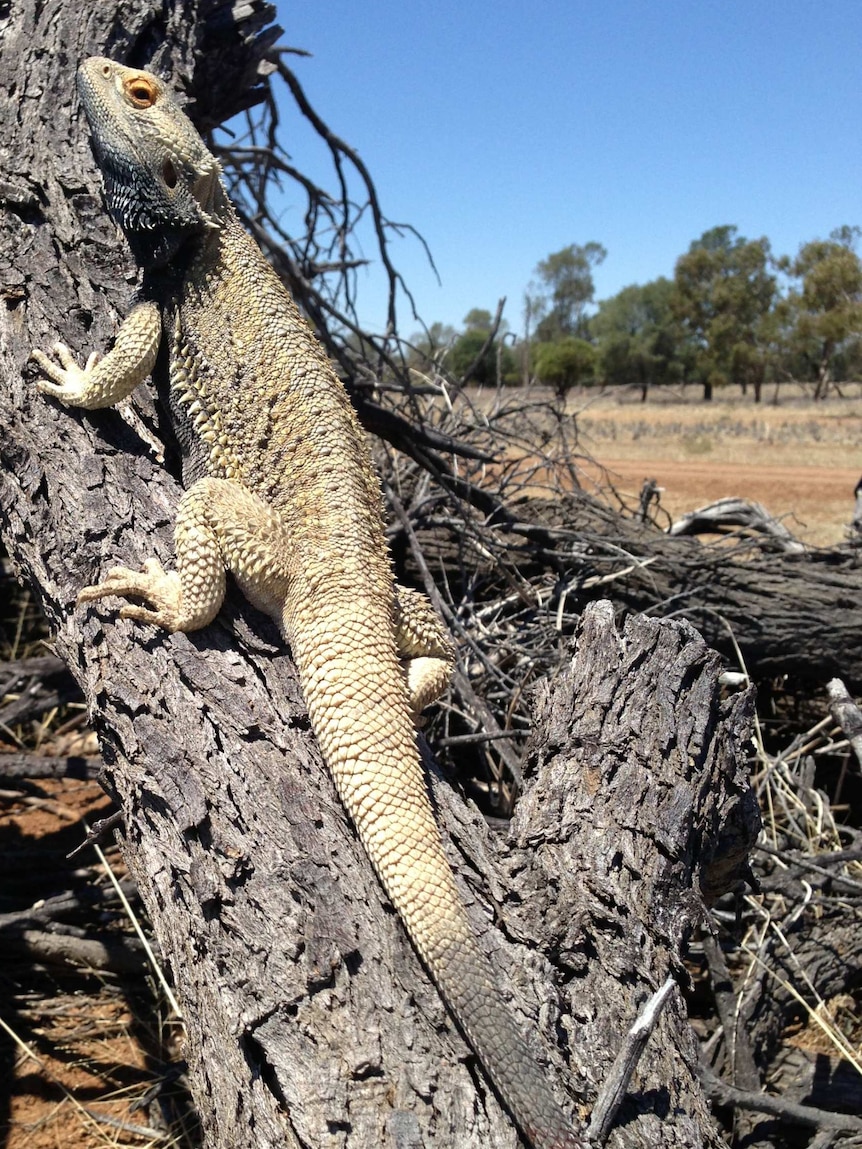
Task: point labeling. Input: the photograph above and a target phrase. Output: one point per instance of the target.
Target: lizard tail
(369, 743)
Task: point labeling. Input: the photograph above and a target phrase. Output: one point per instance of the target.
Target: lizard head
(162, 185)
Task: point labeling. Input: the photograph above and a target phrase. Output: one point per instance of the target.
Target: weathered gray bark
(623, 739)
(799, 616)
(310, 1020)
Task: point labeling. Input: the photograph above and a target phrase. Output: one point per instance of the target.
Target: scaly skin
(286, 499)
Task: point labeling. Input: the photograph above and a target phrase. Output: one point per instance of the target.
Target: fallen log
(789, 612)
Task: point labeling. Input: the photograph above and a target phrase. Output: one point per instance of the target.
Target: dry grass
(799, 918)
(88, 1051)
(89, 1056)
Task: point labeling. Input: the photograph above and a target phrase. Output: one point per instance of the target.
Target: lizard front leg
(220, 526)
(105, 381)
(424, 646)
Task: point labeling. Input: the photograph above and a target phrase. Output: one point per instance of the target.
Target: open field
(799, 458)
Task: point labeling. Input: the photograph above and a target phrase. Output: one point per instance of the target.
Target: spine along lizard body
(281, 492)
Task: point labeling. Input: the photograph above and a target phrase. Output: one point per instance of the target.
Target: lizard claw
(68, 381)
(153, 583)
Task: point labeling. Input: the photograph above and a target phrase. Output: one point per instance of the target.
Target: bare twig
(99, 831)
(739, 1052)
(789, 1111)
(617, 1081)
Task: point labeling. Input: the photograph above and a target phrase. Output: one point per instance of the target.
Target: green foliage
(496, 364)
(636, 310)
(566, 363)
(441, 335)
(720, 320)
(638, 339)
(724, 292)
(478, 319)
(823, 315)
(429, 347)
(556, 303)
(464, 351)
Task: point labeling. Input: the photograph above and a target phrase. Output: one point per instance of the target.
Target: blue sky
(504, 131)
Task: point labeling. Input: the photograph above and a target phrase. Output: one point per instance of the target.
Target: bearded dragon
(281, 492)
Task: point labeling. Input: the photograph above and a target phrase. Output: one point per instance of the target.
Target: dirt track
(798, 458)
(819, 499)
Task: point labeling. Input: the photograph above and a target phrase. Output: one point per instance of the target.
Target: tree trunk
(309, 1019)
(821, 388)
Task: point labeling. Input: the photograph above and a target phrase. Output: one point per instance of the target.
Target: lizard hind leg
(220, 526)
(424, 646)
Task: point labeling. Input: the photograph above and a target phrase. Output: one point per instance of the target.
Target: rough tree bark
(310, 1020)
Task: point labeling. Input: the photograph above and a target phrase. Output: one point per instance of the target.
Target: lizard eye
(141, 92)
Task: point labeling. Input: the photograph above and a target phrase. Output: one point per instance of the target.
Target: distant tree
(464, 351)
(430, 347)
(639, 340)
(478, 319)
(566, 363)
(825, 311)
(535, 306)
(496, 363)
(441, 334)
(724, 291)
(563, 288)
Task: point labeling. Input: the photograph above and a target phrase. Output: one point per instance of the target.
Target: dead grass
(88, 1056)
(798, 458)
(85, 1051)
(802, 818)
